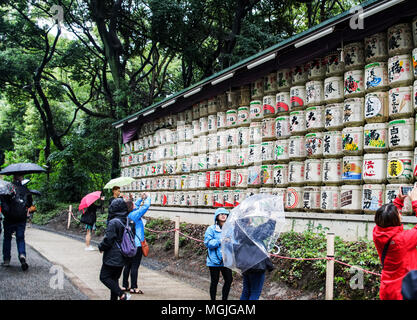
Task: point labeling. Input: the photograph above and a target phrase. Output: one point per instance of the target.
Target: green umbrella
(121, 181)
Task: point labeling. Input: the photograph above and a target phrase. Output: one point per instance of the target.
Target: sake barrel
(195, 164)
(400, 71)
(400, 104)
(391, 192)
(376, 107)
(243, 157)
(232, 137)
(297, 97)
(296, 172)
(221, 139)
(238, 197)
(243, 136)
(314, 93)
(230, 178)
(221, 159)
(257, 88)
(373, 197)
(203, 126)
(284, 79)
(414, 61)
(281, 151)
(352, 169)
(283, 101)
(269, 106)
(228, 197)
(297, 148)
(245, 95)
(400, 166)
(256, 111)
(376, 76)
(212, 106)
(354, 84)
(350, 199)
(313, 171)
(270, 83)
(212, 142)
(280, 172)
(282, 127)
(233, 97)
(401, 134)
(232, 156)
(267, 175)
(268, 129)
(208, 198)
(314, 145)
(353, 112)
(352, 140)
(281, 193)
(334, 67)
(354, 55)
(255, 130)
(242, 178)
(333, 116)
(200, 199)
(375, 137)
(415, 95)
(333, 89)
(243, 116)
(218, 199)
(314, 118)
(231, 118)
(299, 75)
(203, 108)
(400, 39)
(330, 199)
(212, 123)
(202, 144)
(196, 111)
(188, 132)
(211, 160)
(374, 165)
(317, 69)
(332, 171)
(210, 179)
(219, 178)
(311, 198)
(221, 120)
(255, 153)
(294, 199)
(332, 144)
(376, 48)
(297, 122)
(254, 176)
(267, 151)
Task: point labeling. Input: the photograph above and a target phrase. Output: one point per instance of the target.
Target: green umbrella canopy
(119, 182)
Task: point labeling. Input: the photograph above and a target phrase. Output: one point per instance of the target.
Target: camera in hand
(406, 190)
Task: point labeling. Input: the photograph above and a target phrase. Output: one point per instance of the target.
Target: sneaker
(127, 296)
(90, 248)
(22, 259)
(6, 263)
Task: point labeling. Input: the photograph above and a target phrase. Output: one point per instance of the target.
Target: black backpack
(18, 205)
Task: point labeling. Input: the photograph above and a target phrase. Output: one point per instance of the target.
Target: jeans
(252, 285)
(9, 229)
(132, 267)
(215, 275)
(110, 276)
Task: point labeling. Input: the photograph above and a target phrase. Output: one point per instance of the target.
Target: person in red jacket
(401, 253)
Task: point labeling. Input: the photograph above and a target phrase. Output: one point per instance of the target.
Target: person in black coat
(250, 258)
(113, 260)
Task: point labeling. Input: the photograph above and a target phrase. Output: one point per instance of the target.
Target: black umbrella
(35, 192)
(22, 169)
(6, 188)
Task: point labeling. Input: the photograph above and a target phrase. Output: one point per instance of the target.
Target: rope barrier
(273, 255)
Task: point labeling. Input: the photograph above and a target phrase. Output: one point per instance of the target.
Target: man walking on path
(15, 211)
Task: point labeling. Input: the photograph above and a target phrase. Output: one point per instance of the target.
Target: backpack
(127, 246)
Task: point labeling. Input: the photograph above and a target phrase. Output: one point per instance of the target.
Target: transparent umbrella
(251, 231)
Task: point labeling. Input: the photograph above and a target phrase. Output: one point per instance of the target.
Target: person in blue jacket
(132, 264)
(212, 240)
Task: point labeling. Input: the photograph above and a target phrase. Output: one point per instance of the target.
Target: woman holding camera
(396, 247)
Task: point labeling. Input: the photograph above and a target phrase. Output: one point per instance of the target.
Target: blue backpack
(127, 246)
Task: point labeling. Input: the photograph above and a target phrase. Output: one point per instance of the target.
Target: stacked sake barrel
(336, 134)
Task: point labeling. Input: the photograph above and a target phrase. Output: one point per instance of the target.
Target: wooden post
(69, 216)
(177, 237)
(330, 266)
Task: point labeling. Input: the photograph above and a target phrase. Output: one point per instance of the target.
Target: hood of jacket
(382, 235)
(118, 209)
(220, 211)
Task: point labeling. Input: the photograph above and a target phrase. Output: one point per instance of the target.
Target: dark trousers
(215, 275)
(131, 268)
(253, 283)
(109, 276)
(9, 229)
